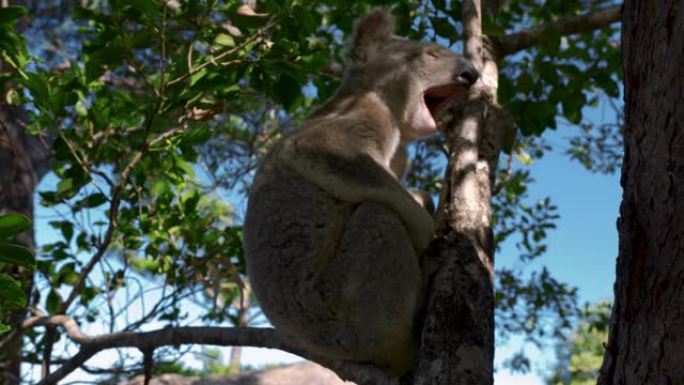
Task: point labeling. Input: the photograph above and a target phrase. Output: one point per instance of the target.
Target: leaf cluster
(12, 296)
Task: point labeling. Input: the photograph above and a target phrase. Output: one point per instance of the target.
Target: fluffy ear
(371, 29)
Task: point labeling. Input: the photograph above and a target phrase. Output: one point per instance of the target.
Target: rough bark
(646, 341)
(23, 161)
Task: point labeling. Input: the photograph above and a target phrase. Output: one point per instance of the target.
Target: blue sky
(583, 249)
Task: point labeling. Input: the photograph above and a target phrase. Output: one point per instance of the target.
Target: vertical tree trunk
(23, 161)
(646, 342)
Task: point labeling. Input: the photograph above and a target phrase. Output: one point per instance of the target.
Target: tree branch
(114, 210)
(220, 336)
(530, 37)
(457, 341)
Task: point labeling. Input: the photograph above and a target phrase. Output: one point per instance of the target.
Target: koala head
(418, 81)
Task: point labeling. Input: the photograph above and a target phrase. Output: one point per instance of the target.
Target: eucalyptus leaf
(17, 255)
(13, 224)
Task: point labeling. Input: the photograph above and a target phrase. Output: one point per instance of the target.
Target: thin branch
(530, 37)
(214, 60)
(114, 211)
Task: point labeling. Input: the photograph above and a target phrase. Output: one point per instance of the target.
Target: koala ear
(371, 29)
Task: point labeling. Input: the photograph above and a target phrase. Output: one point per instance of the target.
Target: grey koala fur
(332, 239)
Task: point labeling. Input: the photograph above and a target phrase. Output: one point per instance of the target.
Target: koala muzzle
(468, 74)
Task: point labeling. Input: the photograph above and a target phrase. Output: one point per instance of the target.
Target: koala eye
(433, 51)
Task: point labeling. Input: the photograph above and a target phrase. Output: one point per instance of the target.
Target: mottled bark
(646, 342)
(457, 345)
(23, 161)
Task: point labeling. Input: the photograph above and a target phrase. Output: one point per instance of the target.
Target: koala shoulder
(343, 165)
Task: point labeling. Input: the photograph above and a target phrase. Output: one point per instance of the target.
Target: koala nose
(470, 75)
(466, 72)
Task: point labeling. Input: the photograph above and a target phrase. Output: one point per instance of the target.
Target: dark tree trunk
(23, 161)
(646, 343)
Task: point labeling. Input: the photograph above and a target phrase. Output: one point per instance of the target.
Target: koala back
(335, 278)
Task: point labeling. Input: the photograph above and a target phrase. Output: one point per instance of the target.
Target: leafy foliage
(12, 295)
(580, 358)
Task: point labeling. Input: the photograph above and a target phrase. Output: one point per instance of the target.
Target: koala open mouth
(433, 111)
(439, 98)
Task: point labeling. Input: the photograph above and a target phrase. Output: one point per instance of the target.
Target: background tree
(579, 359)
(161, 110)
(646, 339)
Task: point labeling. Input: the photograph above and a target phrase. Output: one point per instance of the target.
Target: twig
(216, 59)
(114, 210)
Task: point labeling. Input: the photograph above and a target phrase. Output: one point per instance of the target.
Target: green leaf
(195, 77)
(524, 83)
(66, 227)
(13, 224)
(10, 15)
(14, 48)
(443, 27)
(149, 8)
(65, 185)
(38, 87)
(53, 302)
(605, 82)
(67, 274)
(12, 297)
(197, 136)
(18, 255)
(225, 40)
(144, 39)
(159, 187)
(287, 90)
(49, 198)
(524, 157)
(92, 200)
(4, 328)
(81, 109)
(572, 109)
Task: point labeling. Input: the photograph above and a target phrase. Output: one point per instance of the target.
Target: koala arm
(360, 178)
(424, 199)
(399, 166)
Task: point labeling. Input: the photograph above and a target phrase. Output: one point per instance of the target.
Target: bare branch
(530, 37)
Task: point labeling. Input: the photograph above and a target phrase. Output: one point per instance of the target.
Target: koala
(333, 241)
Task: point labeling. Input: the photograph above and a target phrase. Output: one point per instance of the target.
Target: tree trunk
(23, 161)
(646, 341)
